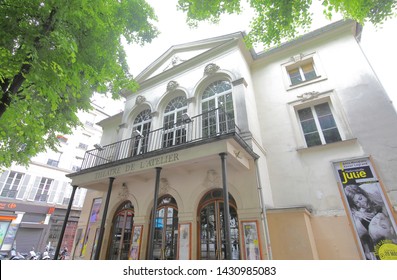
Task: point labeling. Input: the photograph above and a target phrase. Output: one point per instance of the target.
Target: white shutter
(53, 191)
(76, 199)
(24, 185)
(3, 179)
(61, 193)
(34, 188)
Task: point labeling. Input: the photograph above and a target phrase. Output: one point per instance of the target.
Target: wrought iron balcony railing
(202, 127)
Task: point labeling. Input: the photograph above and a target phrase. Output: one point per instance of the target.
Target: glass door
(121, 233)
(212, 234)
(166, 230)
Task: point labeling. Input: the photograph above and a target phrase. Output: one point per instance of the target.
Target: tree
(54, 55)
(278, 20)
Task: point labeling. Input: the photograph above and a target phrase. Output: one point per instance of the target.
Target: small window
(83, 146)
(53, 162)
(318, 125)
(76, 168)
(302, 73)
(91, 124)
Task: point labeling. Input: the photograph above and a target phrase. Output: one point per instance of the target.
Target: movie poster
(136, 243)
(184, 241)
(94, 216)
(251, 241)
(368, 208)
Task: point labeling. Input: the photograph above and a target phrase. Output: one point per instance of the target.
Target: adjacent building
(34, 199)
(224, 153)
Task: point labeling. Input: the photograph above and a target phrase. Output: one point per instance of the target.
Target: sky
(378, 44)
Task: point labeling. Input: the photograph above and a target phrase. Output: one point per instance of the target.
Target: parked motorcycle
(46, 256)
(33, 255)
(14, 255)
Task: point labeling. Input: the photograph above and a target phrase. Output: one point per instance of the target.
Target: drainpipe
(153, 220)
(65, 222)
(105, 212)
(228, 243)
(264, 218)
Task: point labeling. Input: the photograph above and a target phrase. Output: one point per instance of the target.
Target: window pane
(331, 135)
(309, 126)
(310, 76)
(295, 76)
(322, 109)
(327, 122)
(313, 139)
(307, 67)
(305, 114)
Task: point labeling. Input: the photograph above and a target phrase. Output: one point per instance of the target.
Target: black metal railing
(208, 125)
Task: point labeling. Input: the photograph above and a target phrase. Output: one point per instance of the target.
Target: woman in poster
(366, 203)
(363, 204)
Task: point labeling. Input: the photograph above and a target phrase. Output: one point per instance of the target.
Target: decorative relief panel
(211, 69)
(172, 85)
(212, 180)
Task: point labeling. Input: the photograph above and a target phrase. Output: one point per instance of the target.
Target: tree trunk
(10, 91)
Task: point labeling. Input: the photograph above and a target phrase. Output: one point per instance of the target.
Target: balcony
(210, 126)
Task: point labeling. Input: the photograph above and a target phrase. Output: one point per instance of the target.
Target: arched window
(212, 227)
(142, 126)
(217, 109)
(174, 128)
(165, 237)
(121, 234)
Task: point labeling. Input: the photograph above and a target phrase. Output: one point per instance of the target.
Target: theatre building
(224, 153)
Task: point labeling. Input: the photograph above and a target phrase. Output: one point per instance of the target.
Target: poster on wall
(3, 230)
(184, 241)
(368, 208)
(93, 251)
(136, 243)
(251, 240)
(77, 243)
(94, 216)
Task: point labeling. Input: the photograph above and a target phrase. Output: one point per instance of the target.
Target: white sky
(379, 45)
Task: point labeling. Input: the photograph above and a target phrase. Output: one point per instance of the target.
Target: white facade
(299, 110)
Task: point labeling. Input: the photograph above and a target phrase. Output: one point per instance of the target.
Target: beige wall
(295, 234)
(334, 238)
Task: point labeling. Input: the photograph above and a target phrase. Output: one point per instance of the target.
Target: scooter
(46, 256)
(33, 255)
(14, 255)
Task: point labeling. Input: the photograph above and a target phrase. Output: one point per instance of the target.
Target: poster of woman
(251, 241)
(368, 208)
(136, 242)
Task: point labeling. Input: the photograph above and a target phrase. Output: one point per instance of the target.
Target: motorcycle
(33, 255)
(14, 255)
(46, 256)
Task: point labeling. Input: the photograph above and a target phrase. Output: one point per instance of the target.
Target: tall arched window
(217, 109)
(121, 234)
(166, 227)
(212, 227)
(174, 130)
(142, 125)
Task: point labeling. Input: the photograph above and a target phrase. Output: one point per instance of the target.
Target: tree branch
(11, 90)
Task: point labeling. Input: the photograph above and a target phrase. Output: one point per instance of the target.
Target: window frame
(319, 129)
(338, 114)
(12, 187)
(297, 62)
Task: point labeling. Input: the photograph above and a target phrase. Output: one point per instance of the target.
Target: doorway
(211, 227)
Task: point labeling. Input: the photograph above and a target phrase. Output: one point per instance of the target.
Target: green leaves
(276, 21)
(53, 57)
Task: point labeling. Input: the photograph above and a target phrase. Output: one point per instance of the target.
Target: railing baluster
(194, 130)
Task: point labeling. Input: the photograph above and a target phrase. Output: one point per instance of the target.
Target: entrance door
(122, 232)
(212, 234)
(166, 229)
